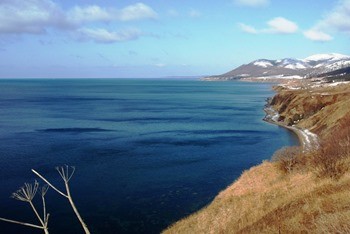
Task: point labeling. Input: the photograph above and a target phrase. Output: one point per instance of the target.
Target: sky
(161, 38)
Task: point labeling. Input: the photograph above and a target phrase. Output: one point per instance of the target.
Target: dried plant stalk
(26, 194)
(66, 174)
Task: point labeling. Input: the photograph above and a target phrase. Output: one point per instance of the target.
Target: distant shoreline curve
(307, 140)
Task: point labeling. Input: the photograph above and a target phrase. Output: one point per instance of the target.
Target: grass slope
(304, 193)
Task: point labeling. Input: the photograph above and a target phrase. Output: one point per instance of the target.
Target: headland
(303, 190)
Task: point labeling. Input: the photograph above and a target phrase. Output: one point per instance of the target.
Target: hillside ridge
(287, 68)
(297, 191)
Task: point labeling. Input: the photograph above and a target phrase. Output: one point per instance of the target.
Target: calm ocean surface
(147, 152)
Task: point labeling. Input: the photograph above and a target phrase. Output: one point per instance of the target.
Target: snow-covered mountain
(311, 66)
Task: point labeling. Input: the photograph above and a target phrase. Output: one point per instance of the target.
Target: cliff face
(318, 109)
(312, 197)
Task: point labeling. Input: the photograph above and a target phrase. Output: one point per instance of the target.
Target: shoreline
(267, 197)
(307, 140)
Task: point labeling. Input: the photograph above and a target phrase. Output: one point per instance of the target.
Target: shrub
(329, 165)
(332, 159)
(287, 158)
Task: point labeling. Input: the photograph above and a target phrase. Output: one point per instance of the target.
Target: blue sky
(159, 38)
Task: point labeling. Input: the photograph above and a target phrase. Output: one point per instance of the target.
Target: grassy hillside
(295, 192)
(318, 109)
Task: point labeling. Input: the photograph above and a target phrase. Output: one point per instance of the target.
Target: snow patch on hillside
(295, 66)
(263, 64)
(321, 57)
(310, 140)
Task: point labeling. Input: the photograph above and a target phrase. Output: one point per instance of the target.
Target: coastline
(306, 139)
(293, 195)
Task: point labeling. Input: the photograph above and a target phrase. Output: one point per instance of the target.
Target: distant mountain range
(313, 66)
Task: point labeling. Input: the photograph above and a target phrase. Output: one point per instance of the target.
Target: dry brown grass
(333, 158)
(320, 108)
(296, 193)
(288, 158)
(266, 200)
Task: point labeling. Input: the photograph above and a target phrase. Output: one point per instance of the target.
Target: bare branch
(21, 223)
(46, 181)
(43, 192)
(83, 224)
(37, 214)
(72, 173)
(66, 175)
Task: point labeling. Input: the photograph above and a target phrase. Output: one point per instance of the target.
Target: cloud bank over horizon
(156, 38)
(40, 16)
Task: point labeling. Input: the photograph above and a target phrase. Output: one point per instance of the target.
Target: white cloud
(32, 16)
(92, 13)
(247, 28)
(37, 16)
(278, 25)
(281, 25)
(252, 3)
(316, 35)
(104, 36)
(339, 17)
(337, 20)
(136, 12)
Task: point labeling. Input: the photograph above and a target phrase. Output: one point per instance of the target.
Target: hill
(287, 68)
(300, 190)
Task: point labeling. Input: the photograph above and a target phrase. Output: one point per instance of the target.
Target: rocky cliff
(313, 107)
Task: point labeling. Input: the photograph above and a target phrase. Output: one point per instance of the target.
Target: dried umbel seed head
(27, 192)
(43, 190)
(65, 172)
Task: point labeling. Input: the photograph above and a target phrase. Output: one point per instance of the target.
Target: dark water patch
(228, 108)
(238, 140)
(73, 130)
(72, 99)
(221, 132)
(97, 153)
(205, 142)
(211, 132)
(174, 163)
(174, 142)
(156, 120)
(147, 119)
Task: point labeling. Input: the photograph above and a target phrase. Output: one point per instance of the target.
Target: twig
(43, 192)
(21, 223)
(46, 181)
(26, 194)
(83, 224)
(39, 218)
(66, 175)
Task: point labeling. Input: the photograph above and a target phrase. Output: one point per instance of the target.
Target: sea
(147, 152)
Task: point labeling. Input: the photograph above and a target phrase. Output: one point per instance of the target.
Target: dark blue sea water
(147, 152)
